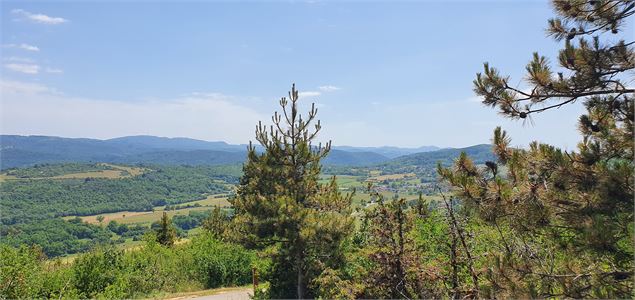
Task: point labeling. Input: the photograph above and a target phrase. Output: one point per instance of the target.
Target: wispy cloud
(18, 59)
(54, 71)
(202, 116)
(309, 94)
(23, 68)
(22, 46)
(329, 88)
(10, 87)
(39, 18)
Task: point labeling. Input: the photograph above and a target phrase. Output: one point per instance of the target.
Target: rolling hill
(479, 153)
(19, 151)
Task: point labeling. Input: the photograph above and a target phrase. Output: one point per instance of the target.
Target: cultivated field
(150, 217)
(147, 217)
(118, 172)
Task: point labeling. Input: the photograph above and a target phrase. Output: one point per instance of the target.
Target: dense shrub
(116, 274)
(221, 264)
(20, 272)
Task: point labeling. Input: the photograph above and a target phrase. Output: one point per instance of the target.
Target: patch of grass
(147, 218)
(116, 216)
(211, 200)
(5, 177)
(112, 172)
(344, 181)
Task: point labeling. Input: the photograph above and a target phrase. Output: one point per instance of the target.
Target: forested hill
(479, 153)
(19, 151)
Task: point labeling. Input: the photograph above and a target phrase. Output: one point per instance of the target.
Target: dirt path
(240, 293)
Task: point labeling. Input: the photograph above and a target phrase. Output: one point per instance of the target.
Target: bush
(115, 274)
(221, 264)
(95, 271)
(20, 272)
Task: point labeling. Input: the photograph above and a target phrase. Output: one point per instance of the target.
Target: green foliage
(395, 266)
(55, 236)
(116, 274)
(95, 271)
(19, 272)
(192, 220)
(165, 233)
(31, 208)
(216, 223)
(281, 205)
(51, 170)
(569, 214)
(219, 264)
(27, 200)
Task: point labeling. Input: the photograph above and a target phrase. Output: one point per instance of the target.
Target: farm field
(210, 201)
(111, 172)
(344, 181)
(5, 177)
(148, 217)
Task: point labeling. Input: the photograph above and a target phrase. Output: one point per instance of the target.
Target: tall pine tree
(571, 212)
(280, 204)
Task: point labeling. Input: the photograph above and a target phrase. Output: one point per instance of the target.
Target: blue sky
(381, 73)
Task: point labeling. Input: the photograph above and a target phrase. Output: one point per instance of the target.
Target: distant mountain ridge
(18, 151)
(388, 151)
(478, 153)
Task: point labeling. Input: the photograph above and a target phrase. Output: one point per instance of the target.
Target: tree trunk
(300, 279)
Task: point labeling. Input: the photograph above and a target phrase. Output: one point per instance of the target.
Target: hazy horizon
(397, 74)
(244, 143)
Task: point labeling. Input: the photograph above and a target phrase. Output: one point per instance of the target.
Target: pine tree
(166, 234)
(388, 244)
(571, 212)
(216, 223)
(280, 204)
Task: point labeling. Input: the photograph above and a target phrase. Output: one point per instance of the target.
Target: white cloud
(9, 87)
(39, 18)
(329, 88)
(54, 71)
(18, 59)
(22, 46)
(308, 94)
(34, 109)
(23, 68)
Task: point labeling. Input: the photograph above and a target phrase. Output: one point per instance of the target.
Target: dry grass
(119, 172)
(211, 201)
(5, 177)
(108, 174)
(133, 171)
(149, 217)
(146, 217)
(116, 216)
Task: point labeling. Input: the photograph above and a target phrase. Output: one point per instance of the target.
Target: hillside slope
(20, 151)
(479, 153)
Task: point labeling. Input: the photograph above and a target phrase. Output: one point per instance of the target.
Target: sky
(393, 73)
